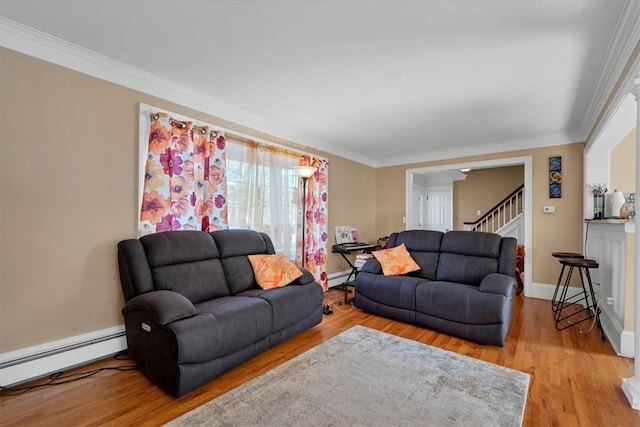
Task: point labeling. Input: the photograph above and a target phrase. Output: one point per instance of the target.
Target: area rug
(364, 377)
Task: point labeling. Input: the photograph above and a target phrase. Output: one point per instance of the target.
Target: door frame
(527, 161)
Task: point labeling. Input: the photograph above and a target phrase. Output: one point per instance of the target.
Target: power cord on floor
(593, 322)
(58, 378)
(595, 318)
(339, 306)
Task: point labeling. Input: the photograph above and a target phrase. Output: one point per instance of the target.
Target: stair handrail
(491, 212)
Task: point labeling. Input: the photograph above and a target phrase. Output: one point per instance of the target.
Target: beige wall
(351, 202)
(68, 185)
(482, 190)
(68, 181)
(561, 231)
(623, 165)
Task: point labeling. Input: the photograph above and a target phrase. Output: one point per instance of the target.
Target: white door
(438, 209)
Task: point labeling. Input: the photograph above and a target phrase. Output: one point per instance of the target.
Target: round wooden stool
(554, 300)
(586, 298)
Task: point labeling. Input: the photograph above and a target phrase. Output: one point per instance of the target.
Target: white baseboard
(627, 344)
(545, 291)
(34, 362)
(336, 279)
(621, 340)
(542, 290)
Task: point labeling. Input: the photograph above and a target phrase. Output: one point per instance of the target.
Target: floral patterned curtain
(184, 182)
(316, 236)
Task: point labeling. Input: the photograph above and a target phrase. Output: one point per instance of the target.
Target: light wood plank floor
(575, 378)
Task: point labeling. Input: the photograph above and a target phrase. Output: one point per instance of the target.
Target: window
(262, 192)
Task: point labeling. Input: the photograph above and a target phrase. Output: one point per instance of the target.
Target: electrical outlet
(478, 212)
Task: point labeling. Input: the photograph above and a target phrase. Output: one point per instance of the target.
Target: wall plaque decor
(555, 177)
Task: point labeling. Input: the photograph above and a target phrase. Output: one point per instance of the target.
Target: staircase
(505, 218)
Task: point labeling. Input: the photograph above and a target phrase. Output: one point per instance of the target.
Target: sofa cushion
(396, 261)
(222, 326)
(472, 243)
(232, 243)
(395, 291)
(185, 262)
(290, 304)
(238, 274)
(428, 262)
(417, 240)
(465, 269)
(273, 271)
(460, 303)
(424, 247)
(234, 246)
(177, 247)
(198, 281)
(468, 256)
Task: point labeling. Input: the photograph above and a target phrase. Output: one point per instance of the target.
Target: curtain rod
(266, 146)
(242, 138)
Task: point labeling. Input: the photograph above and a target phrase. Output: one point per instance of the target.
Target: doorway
(413, 176)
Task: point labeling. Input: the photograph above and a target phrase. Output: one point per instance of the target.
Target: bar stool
(560, 255)
(590, 305)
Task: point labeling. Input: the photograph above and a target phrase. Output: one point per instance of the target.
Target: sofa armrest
(497, 283)
(164, 306)
(306, 277)
(372, 266)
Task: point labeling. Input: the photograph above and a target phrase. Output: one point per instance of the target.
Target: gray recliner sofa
(465, 286)
(194, 310)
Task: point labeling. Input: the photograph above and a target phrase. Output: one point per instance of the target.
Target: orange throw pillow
(396, 261)
(273, 271)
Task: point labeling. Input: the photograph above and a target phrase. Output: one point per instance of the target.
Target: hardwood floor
(575, 378)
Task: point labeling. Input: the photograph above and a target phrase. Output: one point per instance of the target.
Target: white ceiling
(380, 82)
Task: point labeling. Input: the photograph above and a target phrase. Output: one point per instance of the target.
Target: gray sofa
(465, 286)
(194, 310)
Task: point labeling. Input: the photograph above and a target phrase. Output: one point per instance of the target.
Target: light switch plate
(549, 209)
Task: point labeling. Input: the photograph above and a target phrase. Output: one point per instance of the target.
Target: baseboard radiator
(40, 360)
(336, 279)
(34, 362)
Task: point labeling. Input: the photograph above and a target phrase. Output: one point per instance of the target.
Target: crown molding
(622, 44)
(35, 43)
(479, 150)
(32, 42)
(627, 86)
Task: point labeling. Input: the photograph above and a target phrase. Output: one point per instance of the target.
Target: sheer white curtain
(262, 192)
